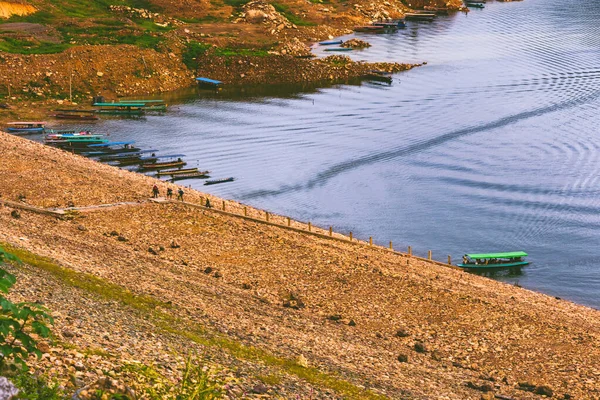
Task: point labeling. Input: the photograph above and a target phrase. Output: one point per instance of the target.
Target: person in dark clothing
(180, 194)
(155, 191)
(169, 193)
(208, 205)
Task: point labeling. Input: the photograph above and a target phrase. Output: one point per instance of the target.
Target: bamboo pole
(429, 255)
(409, 250)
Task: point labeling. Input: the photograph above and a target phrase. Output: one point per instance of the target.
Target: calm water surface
(492, 146)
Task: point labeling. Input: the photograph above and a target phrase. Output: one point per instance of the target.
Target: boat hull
(494, 266)
(25, 130)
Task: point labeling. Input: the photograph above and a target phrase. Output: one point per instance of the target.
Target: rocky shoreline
(278, 313)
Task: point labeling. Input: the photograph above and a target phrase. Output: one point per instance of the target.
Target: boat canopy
(107, 144)
(483, 256)
(209, 81)
(27, 123)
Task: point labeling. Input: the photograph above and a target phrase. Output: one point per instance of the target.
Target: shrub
(18, 321)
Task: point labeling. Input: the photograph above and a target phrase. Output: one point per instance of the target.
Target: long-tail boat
(115, 147)
(190, 175)
(419, 16)
(494, 260)
(25, 128)
(177, 171)
(216, 181)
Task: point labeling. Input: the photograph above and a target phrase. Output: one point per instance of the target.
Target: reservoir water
(494, 145)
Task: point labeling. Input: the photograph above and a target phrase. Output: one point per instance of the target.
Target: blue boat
(330, 42)
(339, 49)
(208, 82)
(26, 127)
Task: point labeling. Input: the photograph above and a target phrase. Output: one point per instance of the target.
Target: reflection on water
(492, 146)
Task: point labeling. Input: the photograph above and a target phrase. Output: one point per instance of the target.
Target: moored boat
(160, 165)
(494, 260)
(339, 49)
(177, 171)
(377, 75)
(419, 16)
(216, 181)
(76, 117)
(369, 28)
(330, 42)
(190, 175)
(26, 127)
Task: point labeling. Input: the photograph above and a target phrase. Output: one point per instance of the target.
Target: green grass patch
(87, 282)
(33, 387)
(233, 52)
(193, 331)
(41, 17)
(21, 46)
(236, 3)
(294, 19)
(192, 52)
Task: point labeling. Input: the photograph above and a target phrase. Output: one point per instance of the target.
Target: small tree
(18, 322)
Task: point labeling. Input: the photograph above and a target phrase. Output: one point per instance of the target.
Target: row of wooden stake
(289, 223)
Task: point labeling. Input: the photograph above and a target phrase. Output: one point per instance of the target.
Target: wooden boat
(77, 117)
(72, 140)
(137, 160)
(474, 5)
(330, 42)
(494, 260)
(121, 147)
(177, 171)
(417, 16)
(148, 105)
(161, 165)
(216, 181)
(207, 82)
(120, 109)
(339, 49)
(190, 175)
(390, 24)
(369, 29)
(26, 127)
(119, 156)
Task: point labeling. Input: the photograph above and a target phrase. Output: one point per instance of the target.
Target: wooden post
(245, 211)
(350, 236)
(429, 255)
(391, 247)
(331, 231)
(309, 226)
(449, 260)
(409, 251)
(289, 221)
(267, 216)
(223, 205)
(370, 240)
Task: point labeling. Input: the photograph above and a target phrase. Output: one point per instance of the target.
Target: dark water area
(492, 146)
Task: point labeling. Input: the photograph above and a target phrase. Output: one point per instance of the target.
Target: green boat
(118, 108)
(494, 260)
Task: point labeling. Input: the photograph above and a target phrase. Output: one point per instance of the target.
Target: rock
(420, 347)
(175, 245)
(43, 347)
(437, 355)
(529, 387)
(302, 361)
(218, 274)
(100, 74)
(486, 387)
(152, 251)
(121, 238)
(403, 358)
(15, 214)
(208, 270)
(402, 333)
(544, 391)
(260, 389)
(68, 333)
(81, 228)
(487, 396)
(334, 317)
(351, 323)
(246, 286)
(79, 366)
(255, 16)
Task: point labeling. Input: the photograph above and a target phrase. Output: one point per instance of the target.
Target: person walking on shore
(180, 194)
(169, 193)
(155, 191)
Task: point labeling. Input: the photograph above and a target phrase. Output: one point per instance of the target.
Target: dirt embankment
(402, 327)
